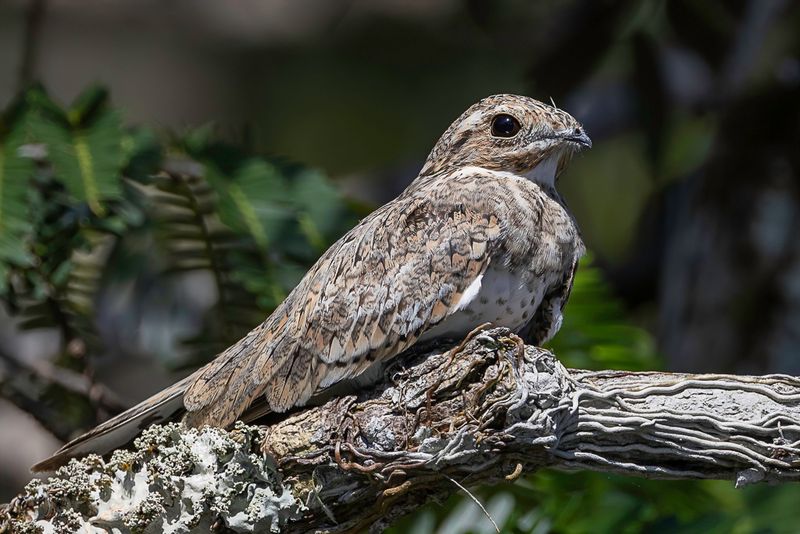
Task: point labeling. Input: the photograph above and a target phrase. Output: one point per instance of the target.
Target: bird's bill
(579, 138)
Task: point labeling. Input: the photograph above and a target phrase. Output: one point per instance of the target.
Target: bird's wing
(546, 322)
(399, 272)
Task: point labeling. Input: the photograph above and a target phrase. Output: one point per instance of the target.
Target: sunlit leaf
(320, 206)
(85, 148)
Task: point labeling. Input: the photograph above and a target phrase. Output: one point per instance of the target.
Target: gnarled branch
(483, 412)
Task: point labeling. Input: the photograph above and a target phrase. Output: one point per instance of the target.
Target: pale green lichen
(176, 480)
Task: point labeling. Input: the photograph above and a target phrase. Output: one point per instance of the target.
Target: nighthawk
(481, 235)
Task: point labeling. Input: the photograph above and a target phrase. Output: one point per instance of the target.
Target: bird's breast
(502, 296)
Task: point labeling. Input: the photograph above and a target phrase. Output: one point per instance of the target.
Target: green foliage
(83, 200)
(15, 172)
(84, 145)
(596, 333)
(588, 503)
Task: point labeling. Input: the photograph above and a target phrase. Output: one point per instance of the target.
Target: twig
(23, 380)
(476, 501)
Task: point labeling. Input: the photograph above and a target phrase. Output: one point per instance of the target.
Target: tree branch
(478, 414)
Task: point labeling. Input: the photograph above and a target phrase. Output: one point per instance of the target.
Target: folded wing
(399, 272)
(373, 294)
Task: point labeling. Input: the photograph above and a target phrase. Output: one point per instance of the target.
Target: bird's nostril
(577, 131)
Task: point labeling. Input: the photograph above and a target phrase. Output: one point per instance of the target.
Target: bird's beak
(578, 136)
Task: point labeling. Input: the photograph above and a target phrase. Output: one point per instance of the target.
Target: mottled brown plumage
(480, 235)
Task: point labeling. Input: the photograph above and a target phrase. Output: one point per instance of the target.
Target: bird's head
(510, 133)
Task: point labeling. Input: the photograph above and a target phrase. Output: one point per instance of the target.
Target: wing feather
(399, 272)
(373, 294)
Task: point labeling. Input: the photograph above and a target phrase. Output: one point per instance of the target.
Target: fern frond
(15, 174)
(597, 332)
(183, 211)
(320, 208)
(253, 199)
(85, 148)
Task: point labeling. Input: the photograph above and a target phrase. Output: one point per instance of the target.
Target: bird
(480, 235)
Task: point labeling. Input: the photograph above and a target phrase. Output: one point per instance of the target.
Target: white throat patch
(545, 172)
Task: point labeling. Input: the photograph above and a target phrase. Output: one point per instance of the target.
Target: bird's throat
(545, 172)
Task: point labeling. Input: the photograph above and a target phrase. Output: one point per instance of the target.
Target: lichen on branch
(174, 480)
(487, 410)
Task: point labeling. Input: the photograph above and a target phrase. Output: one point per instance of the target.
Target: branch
(487, 411)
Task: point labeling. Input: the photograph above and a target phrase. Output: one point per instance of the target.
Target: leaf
(187, 228)
(15, 173)
(250, 199)
(87, 105)
(197, 140)
(596, 333)
(143, 154)
(85, 148)
(320, 208)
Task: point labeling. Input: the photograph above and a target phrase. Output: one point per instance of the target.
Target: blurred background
(228, 144)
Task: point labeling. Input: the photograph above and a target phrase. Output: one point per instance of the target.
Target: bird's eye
(504, 125)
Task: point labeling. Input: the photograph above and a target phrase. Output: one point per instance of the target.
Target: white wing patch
(470, 293)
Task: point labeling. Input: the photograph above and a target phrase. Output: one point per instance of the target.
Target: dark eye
(505, 126)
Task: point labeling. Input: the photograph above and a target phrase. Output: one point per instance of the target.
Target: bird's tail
(165, 405)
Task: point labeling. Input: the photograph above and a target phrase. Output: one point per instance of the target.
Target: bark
(487, 411)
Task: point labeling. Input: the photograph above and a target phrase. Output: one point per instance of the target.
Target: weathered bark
(486, 412)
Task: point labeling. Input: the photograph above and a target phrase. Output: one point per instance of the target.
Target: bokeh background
(689, 200)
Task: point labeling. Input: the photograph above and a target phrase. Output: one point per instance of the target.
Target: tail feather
(120, 430)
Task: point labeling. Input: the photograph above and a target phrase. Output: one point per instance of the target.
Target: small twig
(476, 501)
(74, 382)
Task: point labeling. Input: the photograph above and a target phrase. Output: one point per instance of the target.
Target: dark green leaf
(87, 156)
(15, 174)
